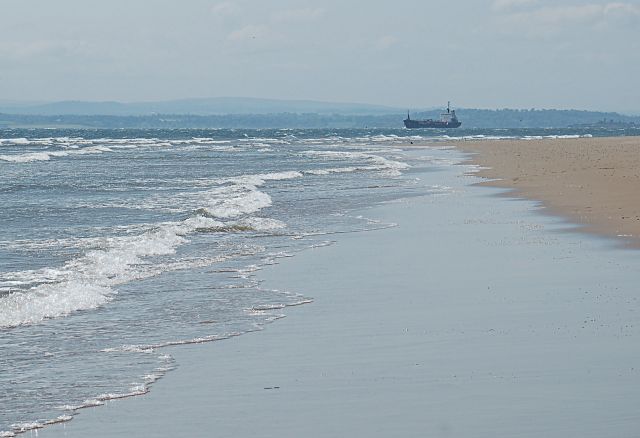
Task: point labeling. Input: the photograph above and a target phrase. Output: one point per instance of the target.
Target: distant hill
(202, 107)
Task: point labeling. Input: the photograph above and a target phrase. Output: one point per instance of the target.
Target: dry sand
(595, 182)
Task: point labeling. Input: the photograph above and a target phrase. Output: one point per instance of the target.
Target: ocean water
(117, 243)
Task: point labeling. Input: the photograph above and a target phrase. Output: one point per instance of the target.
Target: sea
(117, 243)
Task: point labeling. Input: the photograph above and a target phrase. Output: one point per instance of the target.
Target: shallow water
(117, 243)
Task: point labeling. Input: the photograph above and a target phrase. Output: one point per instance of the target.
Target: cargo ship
(447, 120)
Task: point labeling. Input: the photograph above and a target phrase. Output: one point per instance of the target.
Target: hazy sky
(410, 53)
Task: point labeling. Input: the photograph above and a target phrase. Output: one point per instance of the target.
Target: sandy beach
(593, 181)
(472, 317)
(288, 219)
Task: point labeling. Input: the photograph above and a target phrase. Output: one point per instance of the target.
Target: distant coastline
(474, 118)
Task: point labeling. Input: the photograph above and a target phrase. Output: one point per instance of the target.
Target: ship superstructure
(448, 119)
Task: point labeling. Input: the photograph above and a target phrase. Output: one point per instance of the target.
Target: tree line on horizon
(471, 118)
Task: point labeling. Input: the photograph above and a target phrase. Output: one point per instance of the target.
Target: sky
(409, 53)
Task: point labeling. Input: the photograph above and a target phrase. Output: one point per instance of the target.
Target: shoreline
(398, 343)
(594, 182)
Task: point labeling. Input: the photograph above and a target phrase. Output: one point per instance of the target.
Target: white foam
(388, 167)
(90, 403)
(233, 201)
(29, 157)
(35, 425)
(47, 301)
(332, 170)
(385, 138)
(14, 140)
(481, 137)
(264, 140)
(47, 155)
(129, 349)
(74, 146)
(262, 224)
(242, 196)
(259, 179)
(198, 340)
(266, 307)
(228, 198)
(87, 282)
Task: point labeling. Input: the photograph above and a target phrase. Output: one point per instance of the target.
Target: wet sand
(595, 182)
(472, 318)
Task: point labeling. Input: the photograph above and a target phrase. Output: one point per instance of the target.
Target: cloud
(298, 15)
(276, 30)
(40, 49)
(508, 5)
(250, 32)
(565, 14)
(386, 42)
(622, 13)
(224, 9)
(548, 21)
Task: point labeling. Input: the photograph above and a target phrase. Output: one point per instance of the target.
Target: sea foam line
(47, 155)
(87, 282)
(389, 167)
(79, 146)
(136, 389)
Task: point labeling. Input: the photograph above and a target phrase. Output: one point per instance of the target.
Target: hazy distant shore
(278, 115)
(592, 181)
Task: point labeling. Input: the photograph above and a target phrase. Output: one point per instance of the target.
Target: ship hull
(414, 124)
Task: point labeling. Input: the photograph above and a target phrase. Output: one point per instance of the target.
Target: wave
(47, 155)
(88, 282)
(233, 197)
(246, 224)
(21, 140)
(378, 163)
(239, 195)
(481, 137)
(233, 201)
(35, 425)
(554, 137)
(136, 389)
(79, 146)
(332, 170)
